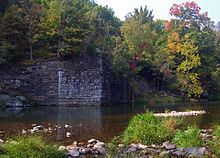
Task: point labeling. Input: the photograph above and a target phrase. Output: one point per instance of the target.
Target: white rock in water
(75, 143)
(141, 146)
(169, 146)
(32, 130)
(90, 145)
(133, 145)
(61, 148)
(154, 146)
(84, 150)
(67, 126)
(99, 144)
(36, 128)
(74, 153)
(91, 141)
(68, 134)
(101, 150)
(1, 141)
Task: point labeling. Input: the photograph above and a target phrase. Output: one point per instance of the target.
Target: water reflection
(95, 122)
(79, 119)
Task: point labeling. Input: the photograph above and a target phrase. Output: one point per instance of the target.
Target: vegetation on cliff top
(180, 55)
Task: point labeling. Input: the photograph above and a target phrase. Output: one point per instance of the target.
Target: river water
(102, 123)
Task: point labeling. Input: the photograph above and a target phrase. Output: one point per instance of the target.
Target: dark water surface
(102, 123)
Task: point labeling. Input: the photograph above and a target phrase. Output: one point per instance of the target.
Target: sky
(160, 7)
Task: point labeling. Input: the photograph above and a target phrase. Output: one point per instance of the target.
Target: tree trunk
(60, 46)
(162, 85)
(158, 84)
(30, 40)
(63, 24)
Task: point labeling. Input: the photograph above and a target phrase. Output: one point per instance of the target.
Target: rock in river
(84, 150)
(132, 149)
(14, 101)
(74, 153)
(169, 146)
(194, 151)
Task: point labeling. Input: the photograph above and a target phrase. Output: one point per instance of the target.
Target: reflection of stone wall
(81, 81)
(84, 122)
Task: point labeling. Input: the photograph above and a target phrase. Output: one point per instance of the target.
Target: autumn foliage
(183, 46)
(189, 14)
(181, 53)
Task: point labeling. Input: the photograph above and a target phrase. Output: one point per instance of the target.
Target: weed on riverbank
(214, 143)
(31, 146)
(149, 129)
(188, 138)
(151, 135)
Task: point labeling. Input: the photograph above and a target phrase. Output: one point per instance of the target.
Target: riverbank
(146, 135)
(102, 123)
(34, 146)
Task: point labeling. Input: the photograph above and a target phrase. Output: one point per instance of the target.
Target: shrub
(217, 131)
(31, 147)
(189, 138)
(149, 129)
(214, 144)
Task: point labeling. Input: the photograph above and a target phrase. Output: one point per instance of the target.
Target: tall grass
(189, 138)
(214, 143)
(149, 129)
(30, 147)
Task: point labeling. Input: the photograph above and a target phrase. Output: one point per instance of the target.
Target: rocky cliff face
(81, 81)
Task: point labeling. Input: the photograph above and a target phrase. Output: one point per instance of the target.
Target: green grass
(189, 138)
(113, 144)
(30, 147)
(214, 144)
(149, 129)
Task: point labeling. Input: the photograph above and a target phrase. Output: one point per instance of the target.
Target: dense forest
(181, 55)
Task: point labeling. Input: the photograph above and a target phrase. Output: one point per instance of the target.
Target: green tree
(65, 26)
(189, 17)
(3, 5)
(13, 30)
(32, 13)
(186, 75)
(104, 27)
(139, 40)
(135, 34)
(143, 15)
(192, 49)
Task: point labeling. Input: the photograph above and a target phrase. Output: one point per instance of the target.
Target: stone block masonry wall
(82, 81)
